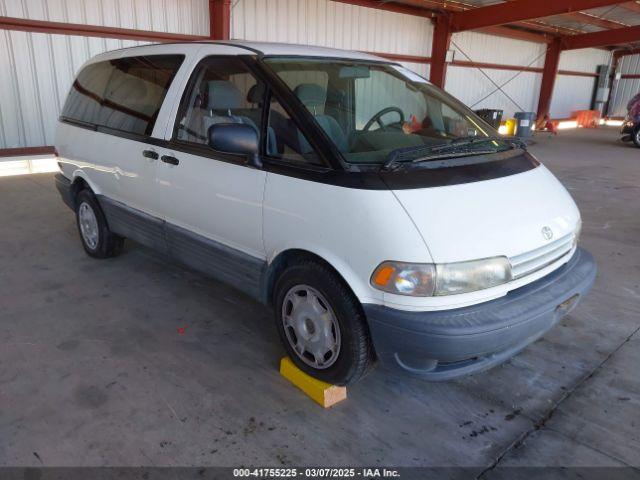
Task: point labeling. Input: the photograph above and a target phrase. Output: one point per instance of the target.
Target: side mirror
(238, 138)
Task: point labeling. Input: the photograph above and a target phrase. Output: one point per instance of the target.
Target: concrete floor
(93, 370)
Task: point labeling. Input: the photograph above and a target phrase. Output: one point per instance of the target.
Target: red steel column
(551, 64)
(441, 43)
(220, 19)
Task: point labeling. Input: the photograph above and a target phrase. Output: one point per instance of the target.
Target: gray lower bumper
(63, 184)
(446, 344)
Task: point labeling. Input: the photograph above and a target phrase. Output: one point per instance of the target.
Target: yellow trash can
(511, 126)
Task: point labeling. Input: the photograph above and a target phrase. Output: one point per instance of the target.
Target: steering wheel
(377, 118)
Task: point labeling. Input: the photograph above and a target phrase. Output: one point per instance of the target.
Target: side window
(222, 90)
(123, 94)
(285, 141)
(87, 94)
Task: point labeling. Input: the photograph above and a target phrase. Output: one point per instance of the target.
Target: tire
(636, 137)
(327, 310)
(98, 241)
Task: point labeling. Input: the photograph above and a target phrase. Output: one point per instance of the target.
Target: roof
(268, 48)
(241, 47)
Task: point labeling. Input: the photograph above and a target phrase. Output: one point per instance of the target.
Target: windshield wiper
(455, 147)
(513, 142)
(456, 154)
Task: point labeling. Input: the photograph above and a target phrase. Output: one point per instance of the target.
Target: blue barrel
(524, 123)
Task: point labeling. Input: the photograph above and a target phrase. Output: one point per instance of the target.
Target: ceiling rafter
(520, 19)
(618, 36)
(631, 6)
(519, 10)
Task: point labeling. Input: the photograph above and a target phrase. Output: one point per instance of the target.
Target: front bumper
(442, 345)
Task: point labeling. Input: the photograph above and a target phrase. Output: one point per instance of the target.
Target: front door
(212, 201)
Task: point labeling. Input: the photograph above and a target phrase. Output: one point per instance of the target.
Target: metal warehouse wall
(332, 24)
(572, 92)
(626, 87)
(38, 69)
(472, 86)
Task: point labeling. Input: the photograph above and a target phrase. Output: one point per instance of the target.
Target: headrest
(223, 95)
(256, 93)
(311, 94)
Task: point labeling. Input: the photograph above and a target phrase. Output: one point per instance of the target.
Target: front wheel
(98, 241)
(321, 324)
(636, 137)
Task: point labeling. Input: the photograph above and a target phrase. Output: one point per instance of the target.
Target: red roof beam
(589, 19)
(519, 10)
(619, 36)
(631, 6)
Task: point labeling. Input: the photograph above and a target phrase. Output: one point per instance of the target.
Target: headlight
(463, 277)
(415, 279)
(426, 280)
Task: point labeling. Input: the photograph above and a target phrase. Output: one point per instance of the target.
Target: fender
(361, 290)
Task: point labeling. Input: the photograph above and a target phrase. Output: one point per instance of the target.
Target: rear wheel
(98, 241)
(321, 324)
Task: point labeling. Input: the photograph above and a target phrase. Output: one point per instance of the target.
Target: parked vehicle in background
(631, 127)
(630, 130)
(379, 217)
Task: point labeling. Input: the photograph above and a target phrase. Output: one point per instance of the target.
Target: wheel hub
(88, 225)
(311, 327)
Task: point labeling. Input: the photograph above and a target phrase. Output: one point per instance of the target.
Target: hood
(504, 216)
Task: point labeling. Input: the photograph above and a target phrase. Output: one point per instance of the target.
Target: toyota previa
(379, 217)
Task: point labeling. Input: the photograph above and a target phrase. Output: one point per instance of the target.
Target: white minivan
(378, 216)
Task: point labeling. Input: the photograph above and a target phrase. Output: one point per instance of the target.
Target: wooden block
(323, 393)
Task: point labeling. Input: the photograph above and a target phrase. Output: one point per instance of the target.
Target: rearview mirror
(238, 138)
(354, 71)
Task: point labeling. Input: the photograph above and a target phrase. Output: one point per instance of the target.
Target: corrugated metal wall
(626, 88)
(331, 24)
(472, 86)
(572, 92)
(38, 69)
(174, 16)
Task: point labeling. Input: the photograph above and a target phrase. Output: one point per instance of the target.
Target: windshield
(381, 113)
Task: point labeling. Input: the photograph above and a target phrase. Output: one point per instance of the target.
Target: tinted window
(124, 94)
(223, 90)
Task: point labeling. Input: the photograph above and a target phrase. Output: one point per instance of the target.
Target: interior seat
(313, 96)
(223, 97)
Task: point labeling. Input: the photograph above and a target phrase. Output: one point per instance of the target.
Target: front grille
(539, 258)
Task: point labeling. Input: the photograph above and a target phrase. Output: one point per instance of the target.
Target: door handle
(170, 160)
(150, 154)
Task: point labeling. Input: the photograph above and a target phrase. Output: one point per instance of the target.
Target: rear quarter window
(123, 94)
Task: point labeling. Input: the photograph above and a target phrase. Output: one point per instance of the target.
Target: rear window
(124, 94)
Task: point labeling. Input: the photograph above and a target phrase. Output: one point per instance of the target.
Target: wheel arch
(80, 182)
(77, 186)
(290, 257)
